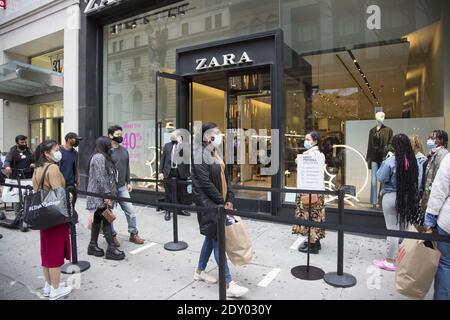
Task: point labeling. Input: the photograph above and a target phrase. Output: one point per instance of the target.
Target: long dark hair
(316, 137)
(407, 173)
(45, 146)
(103, 146)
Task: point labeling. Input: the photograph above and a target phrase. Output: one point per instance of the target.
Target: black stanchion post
(75, 266)
(340, 279)
(222, 257)
(175, 245)
(308, 272)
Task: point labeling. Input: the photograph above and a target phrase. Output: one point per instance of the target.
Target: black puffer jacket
(206, 179)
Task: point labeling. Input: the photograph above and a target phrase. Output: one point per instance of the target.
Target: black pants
(181, 188)
(99, 219)
(73, 191)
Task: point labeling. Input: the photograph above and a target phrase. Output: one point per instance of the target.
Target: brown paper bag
(238, 244)
(416, 267)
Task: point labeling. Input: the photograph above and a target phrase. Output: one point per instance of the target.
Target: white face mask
(57, 156)
(217, 140)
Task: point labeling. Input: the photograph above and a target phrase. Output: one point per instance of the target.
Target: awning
(19, 81)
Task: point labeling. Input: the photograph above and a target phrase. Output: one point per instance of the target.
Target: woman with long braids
(400, 176)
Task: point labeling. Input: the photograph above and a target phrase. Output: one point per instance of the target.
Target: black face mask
(118, 139)
(23, 147)
(76, 144)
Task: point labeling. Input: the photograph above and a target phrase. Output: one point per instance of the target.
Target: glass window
(185, 29)
(218, 21)
(137, 41)
(120, 45)
(208, 23)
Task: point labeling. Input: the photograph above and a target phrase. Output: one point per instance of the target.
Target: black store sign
(226, 55)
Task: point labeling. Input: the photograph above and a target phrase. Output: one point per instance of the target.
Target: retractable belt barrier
(338, 279)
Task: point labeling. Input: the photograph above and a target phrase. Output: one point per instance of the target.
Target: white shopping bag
(10, 194)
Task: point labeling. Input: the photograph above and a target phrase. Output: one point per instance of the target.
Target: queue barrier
(338, 279)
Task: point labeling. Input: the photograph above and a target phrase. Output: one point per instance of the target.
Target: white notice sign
(310, 172)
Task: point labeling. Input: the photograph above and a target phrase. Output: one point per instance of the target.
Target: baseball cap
(73, 135)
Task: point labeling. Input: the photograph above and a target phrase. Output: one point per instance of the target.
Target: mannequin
(378, 147)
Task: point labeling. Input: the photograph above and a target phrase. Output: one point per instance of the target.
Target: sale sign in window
(3, 4)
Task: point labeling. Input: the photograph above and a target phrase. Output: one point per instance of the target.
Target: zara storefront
(295, 66)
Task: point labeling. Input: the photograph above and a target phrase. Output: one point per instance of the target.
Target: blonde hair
(416, 143)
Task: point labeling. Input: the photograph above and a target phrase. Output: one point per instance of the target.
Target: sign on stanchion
(310, 176)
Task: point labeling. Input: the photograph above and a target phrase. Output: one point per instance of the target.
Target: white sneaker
(47, 288)
(203, 276)
(235, 291)
(55, 294)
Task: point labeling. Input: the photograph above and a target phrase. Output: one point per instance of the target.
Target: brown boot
(116, 242)
(134, 238)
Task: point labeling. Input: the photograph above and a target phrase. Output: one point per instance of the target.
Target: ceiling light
(134, 24)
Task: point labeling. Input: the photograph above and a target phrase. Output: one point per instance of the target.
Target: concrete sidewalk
(154, 273)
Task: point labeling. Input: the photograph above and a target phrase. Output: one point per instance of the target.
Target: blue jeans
(374, 184)
(442, 279)
(127, 207)
(208, 246)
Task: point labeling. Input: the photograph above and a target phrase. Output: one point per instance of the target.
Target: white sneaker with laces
(56, 294)
(203, 276)
(47, 288)
(235, 291)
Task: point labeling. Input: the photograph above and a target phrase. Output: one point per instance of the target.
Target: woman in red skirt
(55, 241)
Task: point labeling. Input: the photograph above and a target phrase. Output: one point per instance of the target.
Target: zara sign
(97, 5)
(226, 60)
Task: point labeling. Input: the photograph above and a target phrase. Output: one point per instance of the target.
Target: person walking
(122, 162)
(55, 241)
(400, 176)
(102, 180)
(212, 188)
(438, 217)
(19, 163)
(437, 143)
(169, 169)
(313, 148)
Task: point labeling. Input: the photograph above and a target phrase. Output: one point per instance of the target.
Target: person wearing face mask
(55, 241)
(69, 164)
(102, 175)
(121, 160)
(437, 143)
(313, 148)
(19, 161)
(169, 168)
(212, 187)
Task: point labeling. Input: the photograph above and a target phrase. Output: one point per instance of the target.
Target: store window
(348, 72)
(46, 122)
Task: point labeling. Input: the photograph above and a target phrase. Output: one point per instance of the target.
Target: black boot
(167, 215)
(112, 253)
(93, 249)
(314, 248)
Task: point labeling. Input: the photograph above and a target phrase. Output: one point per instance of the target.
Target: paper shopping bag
(416, 267)
(238, 244)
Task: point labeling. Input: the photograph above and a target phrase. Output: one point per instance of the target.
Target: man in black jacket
(170, 169)
(19, 163)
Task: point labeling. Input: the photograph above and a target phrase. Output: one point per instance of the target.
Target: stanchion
(175, 245)
(222, 257)
(308, 272)
(75, 266)
(340, 279)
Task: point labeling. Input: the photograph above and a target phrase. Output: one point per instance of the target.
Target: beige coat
(53, 179)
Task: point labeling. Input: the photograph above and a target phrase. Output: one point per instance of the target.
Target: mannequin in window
(379, 145)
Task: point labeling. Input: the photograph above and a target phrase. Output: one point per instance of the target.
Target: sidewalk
(151, 272)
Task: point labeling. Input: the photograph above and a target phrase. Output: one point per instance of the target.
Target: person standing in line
(55, 241)
(438, 217)
(400, 176)
(313, 148)
(170, 169)
(19, 162)
(437, 143)
(421, 158)
(121, 160)
(212, 187)
(102, 175)
(69, 164)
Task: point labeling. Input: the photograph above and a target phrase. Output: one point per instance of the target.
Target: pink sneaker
(383, 264)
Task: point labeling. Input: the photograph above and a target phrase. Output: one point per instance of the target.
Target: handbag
(46, 209)
(238, 244)
(417, 265)
(108, 215)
